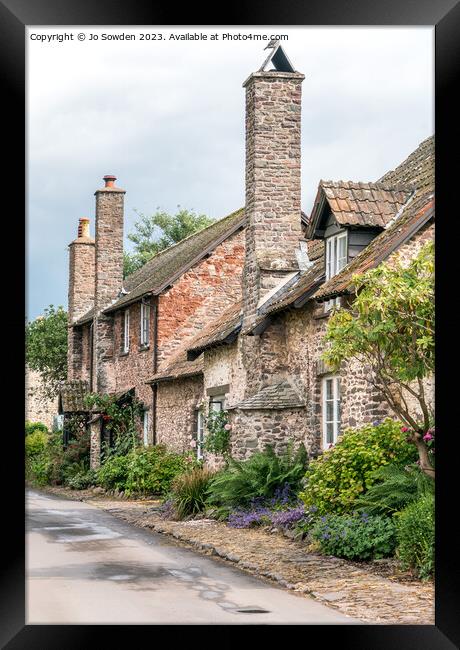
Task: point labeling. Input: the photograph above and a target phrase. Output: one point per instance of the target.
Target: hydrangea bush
(335, 479)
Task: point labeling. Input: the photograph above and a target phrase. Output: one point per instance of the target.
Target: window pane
(329, 411)
(329, 433)
(329, 394)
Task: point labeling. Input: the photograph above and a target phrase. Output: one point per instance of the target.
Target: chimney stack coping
(109, 180)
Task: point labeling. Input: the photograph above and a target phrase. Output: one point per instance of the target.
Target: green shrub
(35, 426)
(36, 442)
(83, 480)
(396, 488)
(335, 479)
(189, 492)
(356, 536)
(142, 470)
(415, 536)
(39, 469)
(152, 470)
(259, 476)
(113, 473)
(217, 439)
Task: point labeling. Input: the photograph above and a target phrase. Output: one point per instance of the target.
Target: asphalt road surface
(86, 566)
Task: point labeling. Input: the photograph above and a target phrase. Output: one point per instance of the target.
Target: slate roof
(71, 396)
(178, 368)
(86, 318)
(277, 396)
(168, 265)
(217, 330)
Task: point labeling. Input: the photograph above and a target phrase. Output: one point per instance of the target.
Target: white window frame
(334, 264)
(216, 403)
(199, 434)
(335, 379)
(145, 324)
(126, 331)
(146, 428)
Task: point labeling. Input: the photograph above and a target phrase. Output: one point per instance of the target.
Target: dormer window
(336, 259)
(336, 254)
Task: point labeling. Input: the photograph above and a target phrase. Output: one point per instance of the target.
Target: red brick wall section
(200, 295)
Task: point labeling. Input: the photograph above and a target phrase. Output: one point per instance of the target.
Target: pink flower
(330, 445)
(404, 429)
(427, 437)
(227, 427)
(193, 444)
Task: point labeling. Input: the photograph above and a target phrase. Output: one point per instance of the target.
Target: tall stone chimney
(273, 208)
(81, 291)
(109, 242)
(273, 104)
(109, 276)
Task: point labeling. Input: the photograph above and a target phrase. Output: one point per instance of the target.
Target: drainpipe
(91, 357)
(155, 365)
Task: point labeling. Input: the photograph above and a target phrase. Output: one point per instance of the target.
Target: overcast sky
(167, 118)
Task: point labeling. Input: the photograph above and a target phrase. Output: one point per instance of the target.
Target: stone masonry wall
(176, 403)
(80, 296)
(253, 430)
(273, 110)
(109, 277)
(38, 408)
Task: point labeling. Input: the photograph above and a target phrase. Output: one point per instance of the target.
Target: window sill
(143, 348)
(123, 354)
(324, 314)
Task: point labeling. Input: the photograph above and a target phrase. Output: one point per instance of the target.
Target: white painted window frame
(335, 379)
(126, 331)
(146, 428)
(334, 263)
(199, 433)
(145, 323)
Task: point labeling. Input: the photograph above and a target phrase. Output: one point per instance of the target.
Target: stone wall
(109, 278)
(81, 292)
(38, 407)
(273, 111)
(177, 402)
(253, 430)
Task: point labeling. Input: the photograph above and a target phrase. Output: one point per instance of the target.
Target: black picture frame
(444, 15)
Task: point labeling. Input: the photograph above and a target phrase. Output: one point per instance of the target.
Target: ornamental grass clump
(355, 536)
(189, 491)
(341, 474)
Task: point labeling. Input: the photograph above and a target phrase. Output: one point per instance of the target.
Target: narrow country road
(86, 566)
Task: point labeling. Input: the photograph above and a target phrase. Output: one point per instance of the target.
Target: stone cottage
(233, 317)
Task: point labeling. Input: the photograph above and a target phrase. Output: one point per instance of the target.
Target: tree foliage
(158, 231)
(46, 347)
(390, 328)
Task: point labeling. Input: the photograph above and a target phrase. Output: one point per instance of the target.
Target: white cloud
(168, 119)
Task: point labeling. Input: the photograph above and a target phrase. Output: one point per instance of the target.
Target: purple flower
(376, 423)
(427, 437)
(287, 518)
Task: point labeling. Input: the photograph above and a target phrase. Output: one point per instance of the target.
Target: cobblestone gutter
(354, 589)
